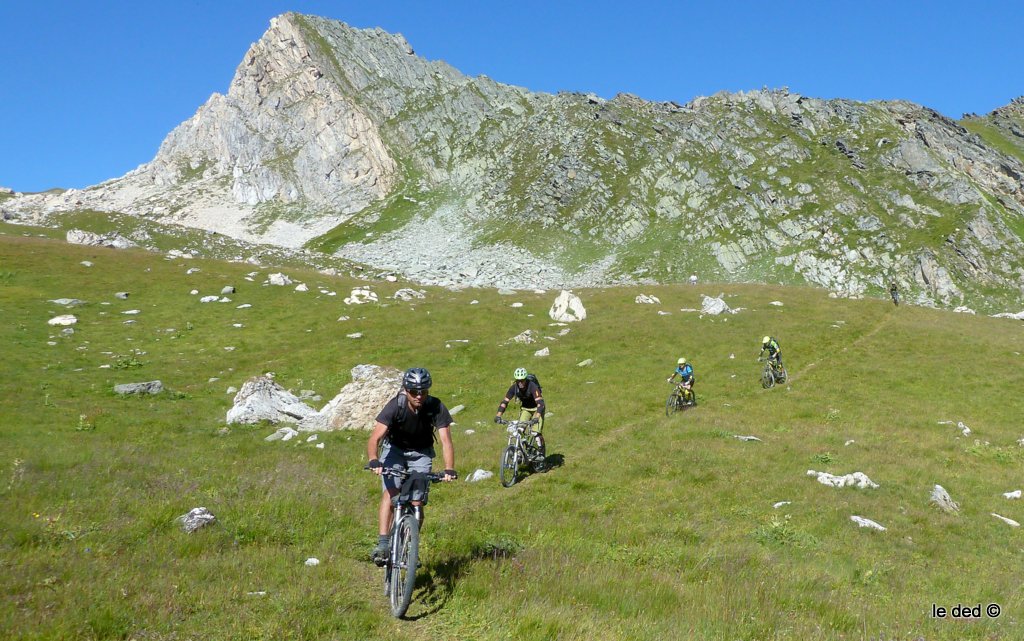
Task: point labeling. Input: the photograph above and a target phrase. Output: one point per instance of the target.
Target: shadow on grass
(436, 583)
(551, 462)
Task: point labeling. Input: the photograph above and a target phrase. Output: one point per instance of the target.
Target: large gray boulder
(262, 399)
(358, 403)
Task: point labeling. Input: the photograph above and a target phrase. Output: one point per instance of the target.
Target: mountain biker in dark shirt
(530, 399)
(894, 292)
(405, 427)
(770, 345)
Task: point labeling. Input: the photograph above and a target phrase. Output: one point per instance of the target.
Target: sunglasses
(416, 392)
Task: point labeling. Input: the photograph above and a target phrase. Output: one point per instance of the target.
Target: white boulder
(863, 522)
(361, 296)
(262, 399)
(714, 306)
(856, 479)
(567, 308)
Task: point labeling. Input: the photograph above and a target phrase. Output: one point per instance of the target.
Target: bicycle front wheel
(403, 566)
(509, 466)
(672, 404)
(767, 378)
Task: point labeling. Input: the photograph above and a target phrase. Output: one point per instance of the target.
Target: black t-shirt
(416, 431)
(527, 396)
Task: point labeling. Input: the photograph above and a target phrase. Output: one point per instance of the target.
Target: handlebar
(399, 473)
(518, 425)
(528, 423)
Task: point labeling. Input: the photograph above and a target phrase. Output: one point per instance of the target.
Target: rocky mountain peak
(345, 141)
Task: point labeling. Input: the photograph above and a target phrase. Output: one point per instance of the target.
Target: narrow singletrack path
(863, 337)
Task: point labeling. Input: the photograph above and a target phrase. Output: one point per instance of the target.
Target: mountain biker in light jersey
(530, 400)
(405, 428)
(770, 345)
(685, 373)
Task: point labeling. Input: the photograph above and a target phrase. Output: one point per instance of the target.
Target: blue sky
(88, 90)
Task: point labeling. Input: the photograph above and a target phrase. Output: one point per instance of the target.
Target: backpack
(533, 379)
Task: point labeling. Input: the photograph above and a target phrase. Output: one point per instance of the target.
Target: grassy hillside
(647, 527)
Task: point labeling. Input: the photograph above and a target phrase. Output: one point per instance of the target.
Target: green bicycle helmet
(519, 374)
(766, 340)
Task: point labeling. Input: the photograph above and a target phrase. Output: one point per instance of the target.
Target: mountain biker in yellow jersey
(770, 345)
(526, 388)
(685, 373)
(405, 427)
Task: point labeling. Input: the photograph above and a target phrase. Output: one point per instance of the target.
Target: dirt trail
(874, 330)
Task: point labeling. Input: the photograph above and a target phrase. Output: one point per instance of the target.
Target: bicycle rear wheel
(509, 466)
(782, 375)
(403, 566)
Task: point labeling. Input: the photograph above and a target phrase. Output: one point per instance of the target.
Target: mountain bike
(403, 558)
(680, 399)
(525, 448)
(895, 293)
(773, 373)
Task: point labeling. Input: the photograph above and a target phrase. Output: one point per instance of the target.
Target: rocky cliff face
(346, 141)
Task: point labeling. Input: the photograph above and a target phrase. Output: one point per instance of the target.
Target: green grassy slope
(648, 527)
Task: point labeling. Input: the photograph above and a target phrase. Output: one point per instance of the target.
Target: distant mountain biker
(685, 373)
(770, 345)
(530, 398)
(895, 293)
(405, 429)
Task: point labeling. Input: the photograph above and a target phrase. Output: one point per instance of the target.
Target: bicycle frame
(521, 450)
(400, 567)
(517, 433)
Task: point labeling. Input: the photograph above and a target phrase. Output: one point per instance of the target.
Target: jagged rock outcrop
(418, 169)
(357, 404)
(262, 399)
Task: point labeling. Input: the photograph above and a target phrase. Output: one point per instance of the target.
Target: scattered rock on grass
(941, 498)
(863, 522)
(856, 479)
(479, 475)
(196, 518)
(1006, 520)
(150, 387)
(283, 434)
